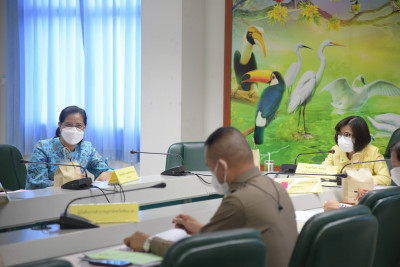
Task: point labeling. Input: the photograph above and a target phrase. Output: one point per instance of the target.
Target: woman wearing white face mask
(66, 146)
(353, 145)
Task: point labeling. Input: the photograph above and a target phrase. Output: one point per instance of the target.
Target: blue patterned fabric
(52, 151)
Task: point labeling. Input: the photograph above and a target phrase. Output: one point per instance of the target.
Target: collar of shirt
(357, 157)
(244, 177)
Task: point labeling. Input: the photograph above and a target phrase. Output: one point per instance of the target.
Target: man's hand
(331, 205)
(104, 176)
(187, 223)
(136, 241)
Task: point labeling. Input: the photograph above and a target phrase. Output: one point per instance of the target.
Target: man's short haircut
(396, 149)
(361, 134)
(230, 144)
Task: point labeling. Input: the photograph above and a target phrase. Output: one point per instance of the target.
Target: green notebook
(137, 258)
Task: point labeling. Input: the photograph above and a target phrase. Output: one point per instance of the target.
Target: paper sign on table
(107, 213)
(302, 185)
(308, 168)
(124, 175)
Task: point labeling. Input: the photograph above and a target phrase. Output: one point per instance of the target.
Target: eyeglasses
(345, 134)
(79, 126)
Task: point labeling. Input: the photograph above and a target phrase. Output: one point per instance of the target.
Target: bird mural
(307, 85)
(241, 4)
(269, 101)
(346, 98)
(388, 122)
(355, 7)
(245, 61)
(294, 69)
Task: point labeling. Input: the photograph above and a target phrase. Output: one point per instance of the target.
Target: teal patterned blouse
(51, 151)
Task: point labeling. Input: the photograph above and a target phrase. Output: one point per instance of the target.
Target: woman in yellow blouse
(353, 145)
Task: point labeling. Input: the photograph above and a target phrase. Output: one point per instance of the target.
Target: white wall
(182, 74)
(2, 71)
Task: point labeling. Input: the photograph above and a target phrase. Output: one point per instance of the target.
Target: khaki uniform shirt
(379, 170)
(253, 201)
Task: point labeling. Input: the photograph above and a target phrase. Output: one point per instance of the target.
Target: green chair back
(343, 237)
(13, 176)
(385, 205)
(234, 248)
(47, 263)
(192, 154)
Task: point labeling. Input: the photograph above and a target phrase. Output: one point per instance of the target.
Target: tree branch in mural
(295, 6)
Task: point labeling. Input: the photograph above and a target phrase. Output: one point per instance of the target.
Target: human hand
(187, 223)
(136, 241)
(331, 205)
(360, 193)
(104, 176)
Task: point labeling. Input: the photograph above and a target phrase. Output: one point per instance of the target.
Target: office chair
(385, 205)
(393, 140)
(47, 263)
(13, 176)
(233, 248)
(192, 154)
(344, 237)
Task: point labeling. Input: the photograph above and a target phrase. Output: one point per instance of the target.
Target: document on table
(304, 215)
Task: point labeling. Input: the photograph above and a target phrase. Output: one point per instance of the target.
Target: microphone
(72, 221)
(291, 168)
(174, 171)
(339, 181)
(78, 184)
(339, 175)
(360, 162)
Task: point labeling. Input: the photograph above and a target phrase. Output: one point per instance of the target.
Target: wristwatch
(146, 245)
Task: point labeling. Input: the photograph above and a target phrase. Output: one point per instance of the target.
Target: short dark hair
(219, 134)
(68, 111)
(361, 134)
(230, 144)
(396, 148)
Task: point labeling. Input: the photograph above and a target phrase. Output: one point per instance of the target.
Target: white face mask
(395, 175)
(72, 135)
(345, 143)
(221, 189)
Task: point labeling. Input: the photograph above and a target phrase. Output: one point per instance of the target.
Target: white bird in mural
(346, 98)
(307, 85)
(388, 122)
(294, 69)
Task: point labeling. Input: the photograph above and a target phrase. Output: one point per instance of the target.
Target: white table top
(30, 245)
(41, 205)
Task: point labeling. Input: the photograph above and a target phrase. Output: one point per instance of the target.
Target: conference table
(32, 244)
(44, 205)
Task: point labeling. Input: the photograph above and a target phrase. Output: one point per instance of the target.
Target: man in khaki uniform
(251, 200)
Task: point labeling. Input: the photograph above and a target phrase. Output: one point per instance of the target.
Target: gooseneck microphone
(78, 184)
(291, 168)
(360, 162)
(338, 175)
(175, 171)
(332, 151)
(72, 221)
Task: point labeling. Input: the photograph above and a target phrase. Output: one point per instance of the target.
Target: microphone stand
(291, 168)
(78, 184)
(174, 171)
(72, 221)
(339, 181)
